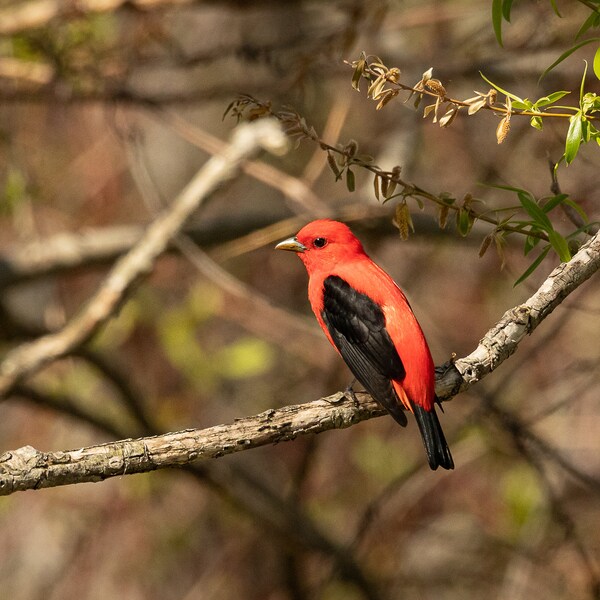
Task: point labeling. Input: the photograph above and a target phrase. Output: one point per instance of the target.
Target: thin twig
(460, 103)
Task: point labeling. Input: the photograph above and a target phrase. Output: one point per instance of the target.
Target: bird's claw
(339, 397)
(351, 394)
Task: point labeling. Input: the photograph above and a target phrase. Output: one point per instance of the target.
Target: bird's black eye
(319, 242)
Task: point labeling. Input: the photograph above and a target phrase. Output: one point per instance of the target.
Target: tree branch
(28, 468)
(503, 339)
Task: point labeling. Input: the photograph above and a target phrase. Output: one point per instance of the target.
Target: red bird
(367, 318)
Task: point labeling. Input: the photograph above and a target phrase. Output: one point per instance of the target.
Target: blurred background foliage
(106, 110)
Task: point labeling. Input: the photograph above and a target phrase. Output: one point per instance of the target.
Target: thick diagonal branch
(503, 339)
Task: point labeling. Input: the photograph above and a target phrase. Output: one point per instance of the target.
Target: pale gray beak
(291, 244)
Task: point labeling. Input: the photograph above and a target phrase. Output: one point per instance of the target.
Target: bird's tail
(438, 453)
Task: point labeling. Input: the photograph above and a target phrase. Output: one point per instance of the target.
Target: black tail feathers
(438, 453)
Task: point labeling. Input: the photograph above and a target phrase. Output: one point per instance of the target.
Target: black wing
(357, 326)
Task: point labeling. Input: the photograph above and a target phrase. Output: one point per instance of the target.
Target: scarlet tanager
(367, 318)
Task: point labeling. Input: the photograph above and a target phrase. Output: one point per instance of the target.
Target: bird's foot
(350, 393)
(347, 394)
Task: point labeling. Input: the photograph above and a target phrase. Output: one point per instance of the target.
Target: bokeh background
(106, 111)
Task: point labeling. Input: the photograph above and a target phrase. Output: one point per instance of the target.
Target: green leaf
(550, 98)
(566, 54)
(530, 243)
(596, 63)
(537, 123)
(573, 140)
(578, 208)
(523, 104)
(533, 266)
(506, 6)
(582, 85)
(555, 8)
(464, 222)
(497, 19)
(592, 21)
(560, 245)
(553, 202)
(535, 212)
(590, 103)
(586, 131)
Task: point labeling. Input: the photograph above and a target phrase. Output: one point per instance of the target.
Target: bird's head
(322, 244)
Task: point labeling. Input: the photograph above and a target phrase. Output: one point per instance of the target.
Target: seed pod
(435, 86)
(502, 129)
(443, 216)
(403, 220)
(487, 240)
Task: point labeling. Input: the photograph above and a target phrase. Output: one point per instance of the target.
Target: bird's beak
(291, 244)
